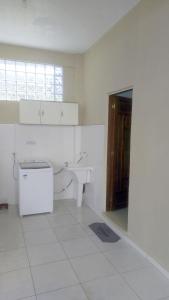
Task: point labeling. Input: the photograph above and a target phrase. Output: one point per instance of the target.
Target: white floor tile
(45, 253)
(104, 247)
(40, 237)
(16, 285)
(79, 247)
(11, 239)
(60, 208)
(36, 222)
(59, 213)
(61, 220)
(53, 276)
(69, 232)
(69, 202)
(72, 293)
(78, 210)
(13, 260)
(126, 259)
(9, 223)
(92, 266)
(87, 229)
(86, 217)
(109, 288)
(148, 283)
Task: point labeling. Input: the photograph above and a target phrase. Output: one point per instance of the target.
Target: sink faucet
(66, 164)
(82, 156)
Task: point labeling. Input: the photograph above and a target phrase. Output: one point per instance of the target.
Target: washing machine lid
(35, 165)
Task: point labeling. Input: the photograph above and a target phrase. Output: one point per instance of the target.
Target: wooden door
(118, 156)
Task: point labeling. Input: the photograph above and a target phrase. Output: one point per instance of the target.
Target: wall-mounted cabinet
(48, 112)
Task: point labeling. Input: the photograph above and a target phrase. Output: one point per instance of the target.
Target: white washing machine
(35, 187)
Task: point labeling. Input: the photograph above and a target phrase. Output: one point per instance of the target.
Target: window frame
(50, 87)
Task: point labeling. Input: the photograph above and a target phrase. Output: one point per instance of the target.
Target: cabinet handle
(43, 112)
(62, 114)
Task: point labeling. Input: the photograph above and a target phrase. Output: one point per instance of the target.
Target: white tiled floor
(57, 256)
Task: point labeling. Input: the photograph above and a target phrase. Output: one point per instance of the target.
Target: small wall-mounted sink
(82, 175)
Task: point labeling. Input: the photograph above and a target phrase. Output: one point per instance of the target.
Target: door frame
(111, 135)
(110, 156)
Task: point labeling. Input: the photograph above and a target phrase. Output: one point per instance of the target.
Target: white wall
(55, 143)
(135, 53)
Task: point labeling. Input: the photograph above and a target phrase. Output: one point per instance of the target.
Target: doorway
(118, 157)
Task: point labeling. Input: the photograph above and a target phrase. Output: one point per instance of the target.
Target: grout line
(48, 263)
(59, 289)
(80, 283)
(126, 282)
(12, 249)
(81, 256)
(29, 297)
(67, 258)
(83, 289)
(14, 270)
(29, 265)
(121, 276)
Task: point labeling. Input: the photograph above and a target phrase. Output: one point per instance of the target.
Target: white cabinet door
(50, 113)
(69, 113)
(29, 112)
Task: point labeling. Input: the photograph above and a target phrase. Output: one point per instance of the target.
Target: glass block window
(30, 81)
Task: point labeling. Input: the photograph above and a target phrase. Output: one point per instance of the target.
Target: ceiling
(63, 25)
